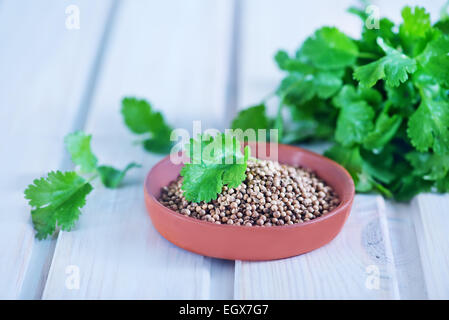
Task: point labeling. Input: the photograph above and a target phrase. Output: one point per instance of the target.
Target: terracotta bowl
(252, 243)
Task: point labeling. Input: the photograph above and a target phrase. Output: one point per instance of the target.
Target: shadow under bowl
(252, 243)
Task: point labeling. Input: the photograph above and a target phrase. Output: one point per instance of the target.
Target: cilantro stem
(95, 176)
(253, 159)
(142, 139)
(268, 96)
(382, 190)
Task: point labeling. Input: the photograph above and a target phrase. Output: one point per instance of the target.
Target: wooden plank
(44, 68)
(392, 9)
(432, 225)
(404, 242)
(174, 53)
(357, 264)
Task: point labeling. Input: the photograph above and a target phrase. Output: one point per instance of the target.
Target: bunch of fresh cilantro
(382, 100)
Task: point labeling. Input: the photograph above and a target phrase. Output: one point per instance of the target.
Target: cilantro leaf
(56, 201)
(379, 164)
(416, 22)
(414, 29)
(252, 118)
(368, 42)
(139, 115)
(329, 48)
(299, 88)
(443, 23)
(354, 122)
(350, 158)
(214, 162)
(384, 130)
(140, 118)
(305, 81)
(348, 94)
(394, 68)
(435, 59)
(403, 98)
(392, 135)
(409, 186)
(428, 127)
(444, 13)
(299, 64)
(385, 31)
(314, 119)
(201, 183)
(361, 13)
(355, 119)
(112, 177)
(78, 145)
(160, 144)
(429, 166)
(235, 174)
(443, 26)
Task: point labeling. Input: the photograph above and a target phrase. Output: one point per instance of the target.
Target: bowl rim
(344, 204)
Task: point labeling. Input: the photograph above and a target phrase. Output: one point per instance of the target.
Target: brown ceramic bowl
(252, 243)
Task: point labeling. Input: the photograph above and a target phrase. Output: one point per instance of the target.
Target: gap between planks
(223, 271)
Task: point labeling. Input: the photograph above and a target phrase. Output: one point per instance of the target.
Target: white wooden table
(194, 60)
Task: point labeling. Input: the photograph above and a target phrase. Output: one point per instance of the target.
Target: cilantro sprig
(56, 200)
(214, 162)
(383, 100)
(141, 119)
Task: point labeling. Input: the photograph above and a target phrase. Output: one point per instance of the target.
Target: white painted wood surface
(44, 73)
(177, 59)
(432, 226)
(190, 59)
(357, 263)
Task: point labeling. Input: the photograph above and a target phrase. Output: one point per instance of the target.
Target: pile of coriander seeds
(271, 195)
